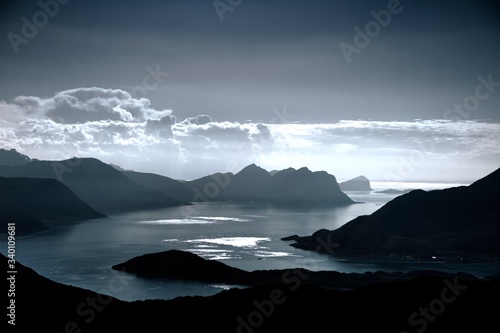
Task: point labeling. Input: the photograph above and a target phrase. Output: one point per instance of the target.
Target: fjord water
(245, 236)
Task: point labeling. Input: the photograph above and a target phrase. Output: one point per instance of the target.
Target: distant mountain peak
(252, 169)
(360, 183)
(13, 157)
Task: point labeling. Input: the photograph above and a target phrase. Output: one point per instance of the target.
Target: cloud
(11, 113)
(111, 125)
(160, 128)
(90, 104)
(200, 119)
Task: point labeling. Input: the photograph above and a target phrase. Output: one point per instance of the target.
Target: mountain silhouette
(168, 186)
(187, 266)
(289, 187)
(28, 202)
(305, 188)
(100, 185)
(12, 157)
(246, 183)
(360, 183)
(455, 223)
(108, 189)
(277, 307)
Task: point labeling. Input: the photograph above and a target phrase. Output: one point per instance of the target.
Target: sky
(393, 90)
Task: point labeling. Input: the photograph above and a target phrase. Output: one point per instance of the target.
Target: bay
(247, 236)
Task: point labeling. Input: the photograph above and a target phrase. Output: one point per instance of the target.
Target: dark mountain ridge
(100, 185)
(29, 202)
(455, 222)
(42, 305)
(110, 190)
(12, 157)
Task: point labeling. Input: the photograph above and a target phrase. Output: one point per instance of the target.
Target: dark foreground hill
(28, 202)
(100, 185)
(451, 224)
(427, 303)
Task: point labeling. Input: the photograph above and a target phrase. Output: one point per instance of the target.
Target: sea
(247, 236)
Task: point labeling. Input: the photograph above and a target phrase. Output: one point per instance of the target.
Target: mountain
(303, 187)
(289, 187)
(451, 224)
(360, 183)
(428, 303)
(110, 189)
(243, 186)
(180, 265)
(12, 157)
(246, 184)
(168, 186)
(117, 167)
(273, 172)
(209, 188)
(186, 266)
(100, 185)
(28, 202)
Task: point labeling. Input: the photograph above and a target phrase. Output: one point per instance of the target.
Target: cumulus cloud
(111, 125)
(160, 128)
(89, 104)
(200, 119)
(11, 113)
